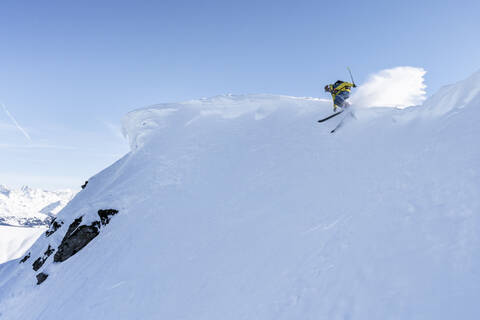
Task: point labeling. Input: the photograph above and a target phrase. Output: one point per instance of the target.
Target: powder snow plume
(398, 87)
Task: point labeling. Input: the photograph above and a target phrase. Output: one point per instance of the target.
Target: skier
(340, 92)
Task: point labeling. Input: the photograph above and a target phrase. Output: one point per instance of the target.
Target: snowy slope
(243, 207)
(455, 96)
(15, 241)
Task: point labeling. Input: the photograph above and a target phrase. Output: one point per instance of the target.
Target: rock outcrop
(41, 277)
(25, 258)
(41, 260)
(105, 215)
(75, 239)
(78, 236)
(54, 226)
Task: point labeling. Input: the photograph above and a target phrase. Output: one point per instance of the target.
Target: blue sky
(71, 70)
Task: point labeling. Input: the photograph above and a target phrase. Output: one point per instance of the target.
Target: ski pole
(351, 77)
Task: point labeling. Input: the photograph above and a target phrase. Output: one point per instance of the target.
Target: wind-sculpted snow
(244, 207)
(139, 123)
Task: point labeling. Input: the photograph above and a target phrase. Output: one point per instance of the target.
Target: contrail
(16, 123)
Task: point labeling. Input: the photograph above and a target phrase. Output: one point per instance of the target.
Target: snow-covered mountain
(244, 207)
(24, 215)
(29, 207)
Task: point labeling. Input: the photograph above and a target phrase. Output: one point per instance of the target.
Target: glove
(354, 85)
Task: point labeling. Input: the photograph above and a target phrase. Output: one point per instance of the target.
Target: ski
(340, 124)
(337, 127)
(330, 117)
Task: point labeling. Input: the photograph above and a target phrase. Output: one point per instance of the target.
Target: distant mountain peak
(31, 207)
(4, 190)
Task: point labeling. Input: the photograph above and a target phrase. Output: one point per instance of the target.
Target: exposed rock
(106, 214)
(54, 226)
(74, 225)
(78, 236)
(41, 277)
(41, 260)
(75, 239)
(49, 251)
(25, 258)
(85, 184)
(38, 263)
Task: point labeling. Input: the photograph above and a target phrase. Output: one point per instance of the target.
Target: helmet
(327, 88)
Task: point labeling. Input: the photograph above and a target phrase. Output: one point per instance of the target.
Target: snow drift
(243, 207)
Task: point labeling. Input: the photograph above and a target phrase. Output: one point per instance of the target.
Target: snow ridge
(244, 207)
(455, 96)
(139, 123)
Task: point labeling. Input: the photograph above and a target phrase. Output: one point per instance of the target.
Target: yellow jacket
(340, 91)
(338, 87)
